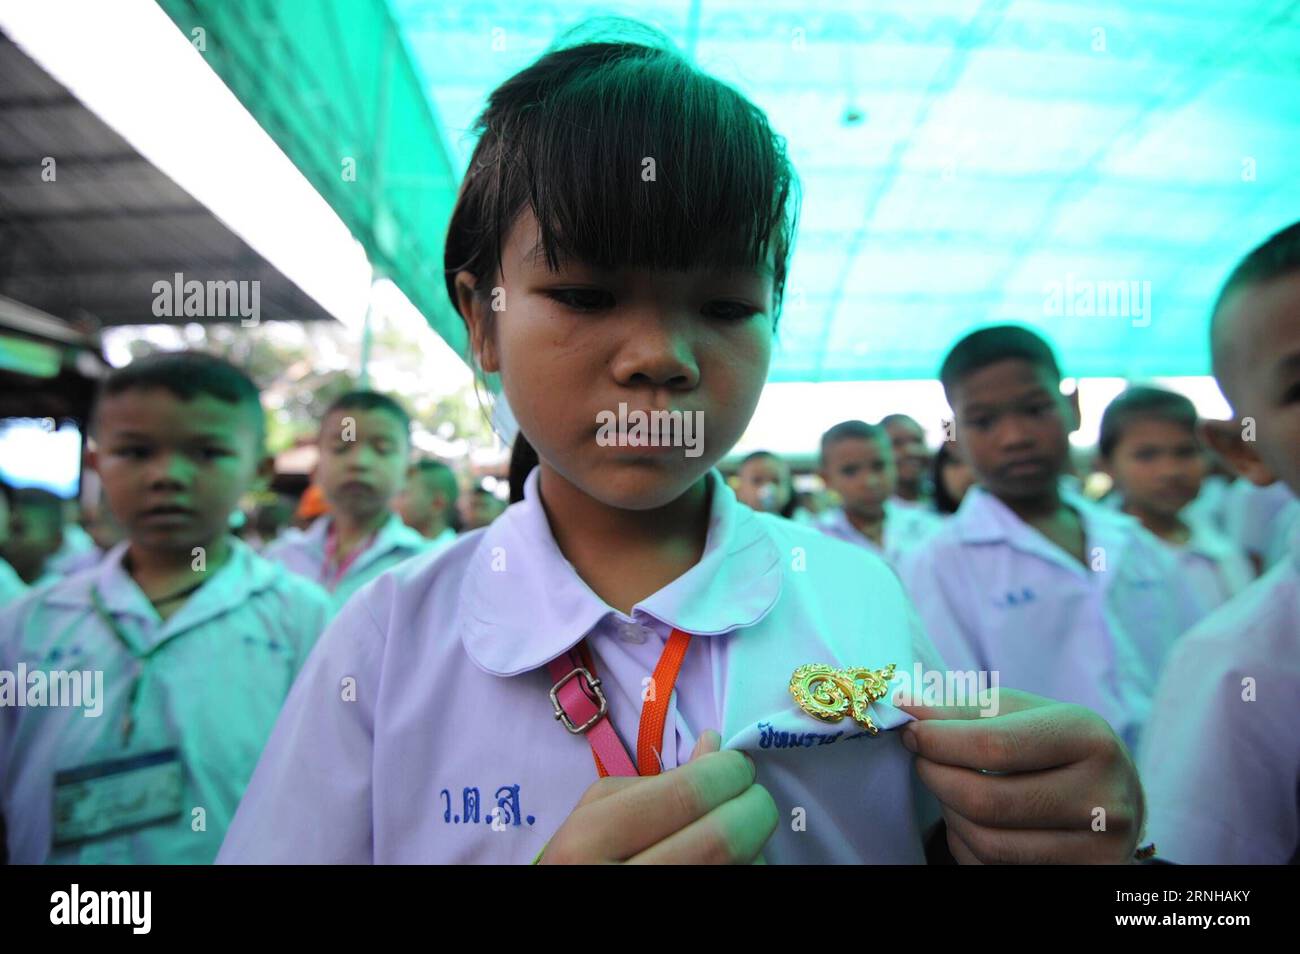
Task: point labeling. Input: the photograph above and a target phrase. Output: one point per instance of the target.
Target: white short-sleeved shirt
(11, 584)
(1214, 568)
(1251, 516)
(449, 725)
(995, 594)
(1221, 756)
(906, 527)
(214, 690)
(444, 539)
(303, 552)
(1208, 507)
(68, 559)
(1286, 534)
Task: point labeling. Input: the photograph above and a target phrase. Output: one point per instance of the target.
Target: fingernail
(909, 738)
(752, 767)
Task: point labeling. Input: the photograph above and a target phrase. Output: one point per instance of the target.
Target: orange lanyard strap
(654, 708)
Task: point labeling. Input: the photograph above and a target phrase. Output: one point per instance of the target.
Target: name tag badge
(107, 798)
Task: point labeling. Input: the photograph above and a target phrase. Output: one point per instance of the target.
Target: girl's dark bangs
(649, 163)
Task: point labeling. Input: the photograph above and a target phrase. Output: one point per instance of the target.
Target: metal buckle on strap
(595, 695)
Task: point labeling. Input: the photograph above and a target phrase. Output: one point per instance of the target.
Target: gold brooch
(830, 694)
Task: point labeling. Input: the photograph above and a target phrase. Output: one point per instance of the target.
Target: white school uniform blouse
(1221, 758)
(995, 594)
(1252, 516)
(444, 539)
(1214, 568)
(303, 552)
(906, 527)
(423, 715)
(1208, 507)
(214, 690)
(11, 584)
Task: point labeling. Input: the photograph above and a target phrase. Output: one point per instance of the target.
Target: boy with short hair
(365, 441)
(428, 502)
(11, 584)
(35, 534)
(1222, 754)
(478, 507)
(1061, 597)
(1149, 447)
(181, 643)
(911, 460)
(857, 463)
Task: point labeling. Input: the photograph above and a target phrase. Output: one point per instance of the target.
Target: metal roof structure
(88, 226)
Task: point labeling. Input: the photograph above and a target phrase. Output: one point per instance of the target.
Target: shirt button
(631, 632)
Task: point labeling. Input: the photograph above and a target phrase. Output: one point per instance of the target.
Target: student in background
(911, 459)
(78, 548)
(857, 464)
(35, 534)
(1222, 754)
(951, 478)
(1208, 507)
(104, 533)
(809, 506)
(428, 502)
(270, 519)
(764, 483)
(192, 638)
(1252, 516)
(365, 442)
(1149, 447)
(478, 507)
(1063, 597)
(11, 584)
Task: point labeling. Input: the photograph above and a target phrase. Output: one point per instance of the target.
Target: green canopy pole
(363, 375)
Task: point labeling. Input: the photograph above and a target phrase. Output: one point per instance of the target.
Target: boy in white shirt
(911, 461)
(1222, 754)
(1062, 597)
(857, 463)
(174, 652)
(35, 534)
(11, 584)
(365, 441)
(1251, 517)
(1149, 447)
(427, 503)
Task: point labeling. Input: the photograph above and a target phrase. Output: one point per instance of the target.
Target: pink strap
(575, 696)
(331, 580)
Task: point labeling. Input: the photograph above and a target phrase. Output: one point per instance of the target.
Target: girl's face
(765, 484)
(1158, 466)
(573, 345)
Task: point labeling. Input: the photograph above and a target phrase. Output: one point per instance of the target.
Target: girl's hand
(1064, 790)
(708, 811)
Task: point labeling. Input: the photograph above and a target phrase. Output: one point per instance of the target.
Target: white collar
(243, 575)
(523, 604)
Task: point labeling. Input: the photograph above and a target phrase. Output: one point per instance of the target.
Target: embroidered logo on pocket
(1013, 598)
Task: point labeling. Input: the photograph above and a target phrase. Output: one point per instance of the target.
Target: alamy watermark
(947, 687)
(1079, 298)
(130, 908)
(55, 688)
(659, 428)
(180, 298)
